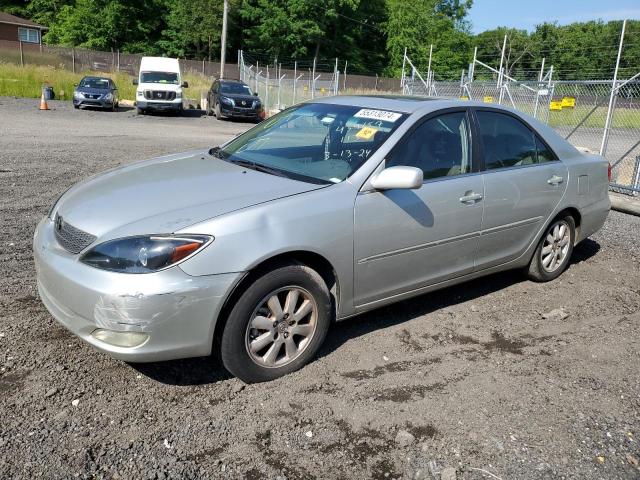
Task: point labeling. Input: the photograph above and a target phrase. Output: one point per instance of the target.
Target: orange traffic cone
(43, 103)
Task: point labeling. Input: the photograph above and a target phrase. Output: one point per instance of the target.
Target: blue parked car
(96, 92)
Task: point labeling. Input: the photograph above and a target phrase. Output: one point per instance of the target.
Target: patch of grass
(27, 81)
(622, 118)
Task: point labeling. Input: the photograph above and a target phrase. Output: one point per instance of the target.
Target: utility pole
(223, 47)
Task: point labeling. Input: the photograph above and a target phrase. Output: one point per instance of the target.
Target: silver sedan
(252, 249)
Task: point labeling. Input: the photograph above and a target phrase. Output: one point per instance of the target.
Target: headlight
(77, 94)
(227, 101)
(139, 93)
(179, 94)
(144, 254)
(108, 96)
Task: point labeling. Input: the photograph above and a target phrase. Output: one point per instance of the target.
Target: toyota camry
(252, 249)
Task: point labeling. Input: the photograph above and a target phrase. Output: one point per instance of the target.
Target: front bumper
(238, 112)
(176, 312)
(171, 106)
(92, 103)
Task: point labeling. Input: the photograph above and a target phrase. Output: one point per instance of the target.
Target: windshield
(321, 143)
(235, 88)
(95, 83)
(169, 78)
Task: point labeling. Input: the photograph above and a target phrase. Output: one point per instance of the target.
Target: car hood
(238, 98)
(168, 194)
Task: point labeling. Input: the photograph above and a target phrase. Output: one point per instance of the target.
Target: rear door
(524, 182)
(407, 239)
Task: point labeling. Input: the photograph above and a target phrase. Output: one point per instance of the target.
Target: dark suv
(233, 98)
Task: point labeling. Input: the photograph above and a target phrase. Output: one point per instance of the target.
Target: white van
(159, 85)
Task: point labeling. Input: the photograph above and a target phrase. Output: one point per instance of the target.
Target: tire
(554, 250)
(217, 112)
(209, 109)
(76, 107)
(254, 325)
(140, 111)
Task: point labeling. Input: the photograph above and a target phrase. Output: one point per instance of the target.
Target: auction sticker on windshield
(378, 115)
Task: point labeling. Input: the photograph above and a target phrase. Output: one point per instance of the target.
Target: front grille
(159, 95)
(92, 96)
(72, 239)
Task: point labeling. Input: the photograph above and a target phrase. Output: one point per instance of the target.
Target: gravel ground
(496, 378)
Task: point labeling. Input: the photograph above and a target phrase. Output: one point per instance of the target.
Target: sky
(526, 14)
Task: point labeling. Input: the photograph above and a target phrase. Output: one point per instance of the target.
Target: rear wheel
(277, 324)
(554, 250)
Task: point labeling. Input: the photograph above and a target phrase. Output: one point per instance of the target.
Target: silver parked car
(250, 250)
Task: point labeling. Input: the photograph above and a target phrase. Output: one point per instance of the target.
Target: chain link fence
(601, 116)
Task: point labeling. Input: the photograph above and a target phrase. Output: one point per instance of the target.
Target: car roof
(93, 77)
(402, 103)
(230, 80)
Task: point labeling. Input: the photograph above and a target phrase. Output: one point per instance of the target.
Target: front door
(407, 239)
(524, 182)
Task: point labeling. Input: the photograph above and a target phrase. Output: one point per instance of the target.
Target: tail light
(609, 172)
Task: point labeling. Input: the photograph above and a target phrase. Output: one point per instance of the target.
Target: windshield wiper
(259, 167)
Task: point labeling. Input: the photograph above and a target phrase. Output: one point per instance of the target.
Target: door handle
(470, 198)
(555, 180)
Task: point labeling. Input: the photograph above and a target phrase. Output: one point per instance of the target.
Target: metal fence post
(295, 81)
(21, 55)
(607, 124)
(73, 59)
(404, 61)
(344, 81)
(429, 68)
(266, 93)
(313, 75)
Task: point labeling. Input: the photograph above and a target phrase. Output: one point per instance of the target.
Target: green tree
(193, 29)
(416, 24)
(128, 25)
(518, 59)
(293, 28)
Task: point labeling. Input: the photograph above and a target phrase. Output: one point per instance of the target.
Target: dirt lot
(479, 378)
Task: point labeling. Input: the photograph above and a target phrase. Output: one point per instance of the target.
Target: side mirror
(255, 94)
(185, 84)
(135, 82)
(398, 177)
(75, 84)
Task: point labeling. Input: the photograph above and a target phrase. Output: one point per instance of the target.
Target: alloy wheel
(281, 327)
(556, 246)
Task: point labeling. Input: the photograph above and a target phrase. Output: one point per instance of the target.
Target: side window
(440, 147)
(507, 141)
(545, 154)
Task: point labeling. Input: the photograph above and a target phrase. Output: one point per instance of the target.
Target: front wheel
(217, 112)
(277, 325)
(140, 111)
(554, 250)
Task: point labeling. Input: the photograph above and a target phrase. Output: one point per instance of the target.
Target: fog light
(120, 339)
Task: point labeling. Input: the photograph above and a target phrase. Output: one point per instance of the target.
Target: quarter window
(29, 35)
(440, 147)
(545, 154)
(507, 141)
